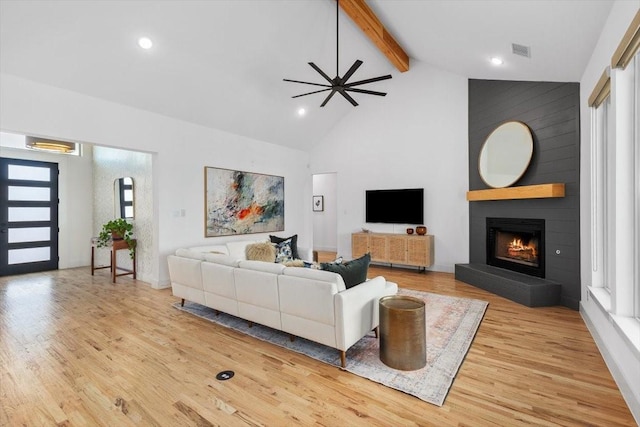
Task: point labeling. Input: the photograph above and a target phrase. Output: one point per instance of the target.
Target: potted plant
(117, 229)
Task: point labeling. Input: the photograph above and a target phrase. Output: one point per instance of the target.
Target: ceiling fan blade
(328, 98)
(315, 67)
(368, 92)
(339, 84)
(347, 96)
(306, 83)
(352, 70)
(311, 93)
(374, 79)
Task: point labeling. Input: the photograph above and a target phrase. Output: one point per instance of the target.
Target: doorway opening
(325, 213)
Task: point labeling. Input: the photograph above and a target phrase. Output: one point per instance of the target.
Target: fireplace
(516, 244)
(514, 264)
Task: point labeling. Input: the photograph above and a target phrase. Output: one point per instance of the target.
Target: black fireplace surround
(515, 263)
(552, 111)
(516, 244)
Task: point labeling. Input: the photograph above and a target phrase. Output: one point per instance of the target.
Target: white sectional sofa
(304, 302)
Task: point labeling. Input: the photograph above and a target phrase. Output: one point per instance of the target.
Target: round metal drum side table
(403, 336)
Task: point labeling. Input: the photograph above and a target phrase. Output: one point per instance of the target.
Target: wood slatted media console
(392, 249)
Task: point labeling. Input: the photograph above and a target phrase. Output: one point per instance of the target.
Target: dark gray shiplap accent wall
(552, 112)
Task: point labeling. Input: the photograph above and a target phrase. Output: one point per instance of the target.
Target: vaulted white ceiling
(220, 63)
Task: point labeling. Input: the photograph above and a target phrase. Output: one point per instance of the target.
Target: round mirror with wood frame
(505, 154)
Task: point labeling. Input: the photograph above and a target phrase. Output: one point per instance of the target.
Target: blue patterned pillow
(283, 251)
(294, 243)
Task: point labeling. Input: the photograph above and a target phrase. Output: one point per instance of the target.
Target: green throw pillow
(352, 272)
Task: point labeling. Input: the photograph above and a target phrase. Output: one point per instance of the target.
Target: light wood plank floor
(77, 350)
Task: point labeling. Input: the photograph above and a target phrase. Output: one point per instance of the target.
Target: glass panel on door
(21, 256)
(39, 194)
(29, 234)
(29, 214)
(29, 173)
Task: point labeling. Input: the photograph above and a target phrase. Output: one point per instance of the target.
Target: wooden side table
(113, 266)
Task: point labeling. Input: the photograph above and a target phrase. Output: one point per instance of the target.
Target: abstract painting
(238, 202)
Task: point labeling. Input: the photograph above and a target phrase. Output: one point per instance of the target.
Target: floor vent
(225, 375)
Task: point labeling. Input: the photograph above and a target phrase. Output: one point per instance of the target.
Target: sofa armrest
(185, 271)
(357, 310)
(186, 278)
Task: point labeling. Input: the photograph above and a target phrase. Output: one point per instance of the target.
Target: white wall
(75, 193)
(180, 152)
(623, 360)
(325, 227)
(414, 137)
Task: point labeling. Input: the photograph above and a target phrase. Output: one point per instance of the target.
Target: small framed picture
(318, 203)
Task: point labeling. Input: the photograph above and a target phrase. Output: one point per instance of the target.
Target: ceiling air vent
(521, 50)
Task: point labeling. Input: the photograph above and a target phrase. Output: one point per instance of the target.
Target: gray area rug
(451, 326)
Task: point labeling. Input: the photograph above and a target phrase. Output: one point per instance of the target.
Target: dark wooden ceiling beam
(363, 16)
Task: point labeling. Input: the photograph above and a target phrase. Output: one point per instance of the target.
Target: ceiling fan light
(50, 145)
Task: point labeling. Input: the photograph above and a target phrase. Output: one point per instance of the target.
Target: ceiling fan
(339, 84)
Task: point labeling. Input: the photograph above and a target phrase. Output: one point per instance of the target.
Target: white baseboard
(153, 282)
(443, 268)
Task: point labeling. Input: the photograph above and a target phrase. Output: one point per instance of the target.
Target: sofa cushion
(221, 259)
(210, 249)
(265, 267)
(353, 272)
(294, 244)
(238, 249)
(318, 275)
(307, 299)
(284, 251)
(263, 251)
(218, 279)
(188, 253)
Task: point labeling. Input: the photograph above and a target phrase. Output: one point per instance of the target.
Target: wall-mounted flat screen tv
(403, 206)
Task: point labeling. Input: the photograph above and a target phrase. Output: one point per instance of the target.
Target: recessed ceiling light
(145, 42)
(496, 61)
(302, 112)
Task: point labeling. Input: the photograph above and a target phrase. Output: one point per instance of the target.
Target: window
(601, 157)
(607, 158)
(615, 187)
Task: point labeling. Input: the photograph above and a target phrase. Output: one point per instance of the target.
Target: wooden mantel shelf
(540, 191)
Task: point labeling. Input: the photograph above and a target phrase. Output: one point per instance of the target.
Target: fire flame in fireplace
(516, 248)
